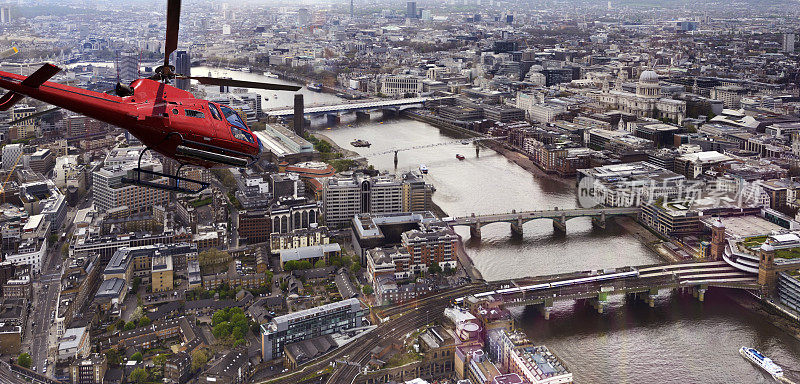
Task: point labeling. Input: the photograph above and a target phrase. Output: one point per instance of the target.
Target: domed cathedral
(648, 85)
(646, 102)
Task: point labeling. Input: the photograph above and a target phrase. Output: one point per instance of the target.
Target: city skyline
(459, 191)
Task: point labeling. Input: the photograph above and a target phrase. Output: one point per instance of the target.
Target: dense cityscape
(419, 192)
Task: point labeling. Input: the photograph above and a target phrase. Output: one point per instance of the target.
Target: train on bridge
(556, 284)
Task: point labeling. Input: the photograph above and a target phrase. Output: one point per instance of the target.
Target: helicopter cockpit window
(193, 113)
(241, 134)
(214, 111)
(233, 117)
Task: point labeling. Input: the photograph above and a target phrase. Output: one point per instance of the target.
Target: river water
(678, 341)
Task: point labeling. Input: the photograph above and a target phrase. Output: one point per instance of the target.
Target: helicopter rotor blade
(9, 52)
(33, 115)
(242, 83)
(173, 21)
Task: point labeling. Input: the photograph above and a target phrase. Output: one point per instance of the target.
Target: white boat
(761, 361)
(423, 169)
(270, 75)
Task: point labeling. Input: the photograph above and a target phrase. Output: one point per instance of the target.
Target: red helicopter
(164, 118)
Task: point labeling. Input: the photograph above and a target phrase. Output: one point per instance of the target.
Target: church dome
(648, 77)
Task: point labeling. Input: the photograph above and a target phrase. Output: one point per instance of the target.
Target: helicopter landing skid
(173, 181)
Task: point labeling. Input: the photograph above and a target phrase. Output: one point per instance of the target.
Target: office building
(30, 251)
(90, 370)
(631, 184)
(12, 156)
(346, 196)
(393, 85)
(162, 273)
(5, 15)
(42, 161)
(309, 323)
(110, 192)
(789, 289)
(671, 218)
(127, 66)
(24, 129)
(304, 237)
(417, 194)
(787, 42)
(290, 213)
(75, 342)
(303, 17)
(183, 65)
(82, 126)
(411, 10)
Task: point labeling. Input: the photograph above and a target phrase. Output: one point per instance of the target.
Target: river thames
(679, 341)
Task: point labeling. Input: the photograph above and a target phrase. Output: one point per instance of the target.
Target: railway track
(403, 319)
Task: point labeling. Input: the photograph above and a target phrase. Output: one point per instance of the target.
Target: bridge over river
(559, 217)
(334, 110)
(643, 282)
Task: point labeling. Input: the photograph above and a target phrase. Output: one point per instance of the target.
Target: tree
(199, 358)
(221, 330)
(129, 325)
(24, 360)
(238, 333)
(319, 264)
(138, 376)
(113, 357)
(219, 317)
(355, 267)
(435, 268)
(144, 321)
(367, 289)
(292, 265)
(137, 356)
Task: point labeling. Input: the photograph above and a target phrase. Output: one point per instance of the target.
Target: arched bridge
(559, 217)
(356, 107)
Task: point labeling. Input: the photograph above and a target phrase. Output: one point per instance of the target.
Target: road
(404, 319)
(233, 233)
(40, 330)
(45, 295)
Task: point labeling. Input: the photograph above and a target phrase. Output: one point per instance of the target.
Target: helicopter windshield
(238, 128)
(233, 117)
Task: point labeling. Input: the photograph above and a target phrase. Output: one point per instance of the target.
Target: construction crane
(11, 172)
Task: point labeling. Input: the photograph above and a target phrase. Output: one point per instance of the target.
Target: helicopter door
(216, 115)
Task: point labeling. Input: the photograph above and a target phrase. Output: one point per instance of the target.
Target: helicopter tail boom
(33, 81)
(101, 106)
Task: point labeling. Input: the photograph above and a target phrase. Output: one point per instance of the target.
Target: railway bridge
(644, 283)
(559, 217)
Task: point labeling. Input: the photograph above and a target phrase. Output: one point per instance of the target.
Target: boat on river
(761, 361)
(360, 143)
